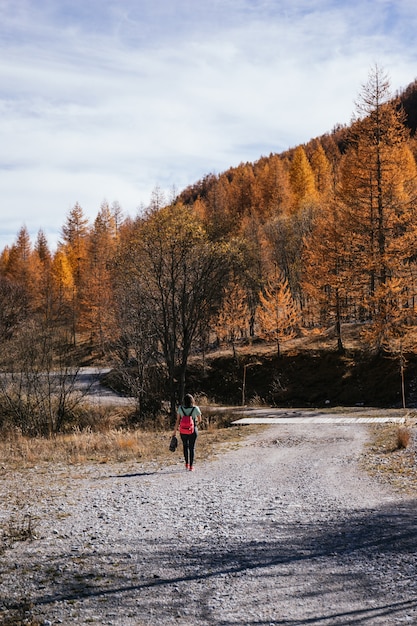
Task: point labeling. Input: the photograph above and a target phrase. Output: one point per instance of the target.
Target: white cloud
(103, 100)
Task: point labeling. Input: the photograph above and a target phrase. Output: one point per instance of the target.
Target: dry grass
(391, 456)
(403, 438)
(113, 446)
(390, 438)
(309, 340)
(314, 339)
(21, 529)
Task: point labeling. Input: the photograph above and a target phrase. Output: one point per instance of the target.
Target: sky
(109, 100)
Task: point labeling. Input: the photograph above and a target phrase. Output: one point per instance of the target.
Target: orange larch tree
(232, 322)
(378, 189)
(275, 192)
(325, 269)
(19, 259)
(219, 219)
(278, 315)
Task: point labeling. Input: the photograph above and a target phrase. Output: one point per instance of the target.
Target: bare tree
(183, 274)
(38, 386)
(135, 351)
(14, 307)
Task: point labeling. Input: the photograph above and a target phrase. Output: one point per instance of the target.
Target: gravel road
(284, 529)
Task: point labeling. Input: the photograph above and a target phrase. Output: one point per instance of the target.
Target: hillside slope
(305, 379)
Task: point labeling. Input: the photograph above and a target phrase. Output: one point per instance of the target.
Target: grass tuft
(403, 438)
(17, 529)
(22, 529)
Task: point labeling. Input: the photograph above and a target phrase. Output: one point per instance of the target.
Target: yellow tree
(302, 180)
(278, 315)
(63, 288)
(322, 170)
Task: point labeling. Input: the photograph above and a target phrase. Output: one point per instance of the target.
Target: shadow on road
(358, 571)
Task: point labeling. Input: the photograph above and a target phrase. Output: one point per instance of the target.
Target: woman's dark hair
(188, 401)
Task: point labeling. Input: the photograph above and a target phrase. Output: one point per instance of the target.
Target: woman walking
(188, 417)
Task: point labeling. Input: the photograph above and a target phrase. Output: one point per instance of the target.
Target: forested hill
(334, 144)
(321, 236)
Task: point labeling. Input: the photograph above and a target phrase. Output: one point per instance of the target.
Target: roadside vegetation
(391, 455)
(112, 442)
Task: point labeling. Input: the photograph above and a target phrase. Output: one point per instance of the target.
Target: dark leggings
(188, 442)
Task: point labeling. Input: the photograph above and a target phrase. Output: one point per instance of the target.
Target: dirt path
(284, 530)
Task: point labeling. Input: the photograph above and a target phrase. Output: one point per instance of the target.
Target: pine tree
(43, 261)
(98, 300)
(75, 232)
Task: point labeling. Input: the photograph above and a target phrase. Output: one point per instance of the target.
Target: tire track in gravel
(285, 530)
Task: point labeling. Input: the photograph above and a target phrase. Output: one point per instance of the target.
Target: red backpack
(187, 423)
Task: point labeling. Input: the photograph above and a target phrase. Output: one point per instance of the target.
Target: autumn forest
(320, 236)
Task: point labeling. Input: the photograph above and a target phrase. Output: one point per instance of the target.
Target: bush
(403, 438)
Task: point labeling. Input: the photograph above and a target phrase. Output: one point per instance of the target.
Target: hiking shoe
(191, 468)
(187, 467)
